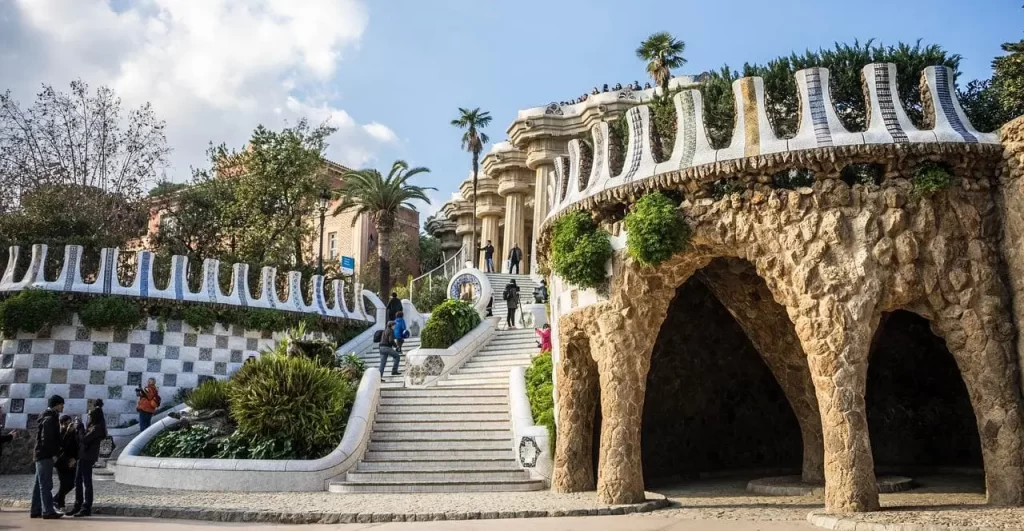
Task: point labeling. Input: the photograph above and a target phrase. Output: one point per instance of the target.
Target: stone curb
(240, 516)
(792, 486)
(828, 521)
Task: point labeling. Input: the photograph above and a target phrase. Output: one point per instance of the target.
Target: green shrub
(655, 230)
(351, 367)
(448, 323)
(931, 178)
(241, 446)
(539, 389)
(263, 319)
(110, 312)
(30, 311)
(292, 398)
(199, 317)
(579, 250)
(193, 442)
(211, 394)
(430, 296)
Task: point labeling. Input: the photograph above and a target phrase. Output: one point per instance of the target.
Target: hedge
(451, 320)
(655, 229)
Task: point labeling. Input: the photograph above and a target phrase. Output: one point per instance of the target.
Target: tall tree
(367, 192)
(663, 52)
(431, 255)
(1008, 78)
(80, 138)
(473, 141)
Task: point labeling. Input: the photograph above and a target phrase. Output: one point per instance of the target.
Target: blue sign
(348, 265)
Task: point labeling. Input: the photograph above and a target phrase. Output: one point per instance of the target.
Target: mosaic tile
(40, 361)
(45, 333)
(120, 336)
(220, 368)
(80, 362)
(99, 349)
(114, 392)
(59, 376)
(170, 380)
(204, 378)
(117, 364)
(156, 338)
(237, 330)
(236, 356)
(205, 354)
(17, 405)
(172, 353)
(138, 351)
(174, 325)
(191, 339)
(20, 375)
(5, 390)
(83, 334)
(8, 361)
(76, 391)
(135, 378)
(32, 421)
(62, 346)
(186, 366)
(222, 341)
(153, 365)
(24, 346)
(97, 377)
(252, 343)
(37, 390)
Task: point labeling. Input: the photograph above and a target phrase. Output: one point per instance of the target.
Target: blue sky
(420, 60)
(391, 74)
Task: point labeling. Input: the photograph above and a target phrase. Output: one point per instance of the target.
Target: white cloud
(213, 69)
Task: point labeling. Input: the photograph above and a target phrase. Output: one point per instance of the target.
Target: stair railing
(447, 268)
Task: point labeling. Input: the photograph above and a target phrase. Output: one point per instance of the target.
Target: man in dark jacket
(46, 450)
(514, 257)
(488, 256)
(511, 296)
(88, 454)
(67, 460)
(394, 306)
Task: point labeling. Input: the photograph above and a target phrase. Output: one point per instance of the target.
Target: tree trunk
(384, 265)
(476, 244)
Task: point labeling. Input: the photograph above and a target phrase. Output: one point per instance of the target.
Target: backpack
(157, 400)
(377, 335)
(508, 293)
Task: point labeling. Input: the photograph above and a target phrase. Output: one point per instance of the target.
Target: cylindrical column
(515, 226)
(489, 231)
(543, 174)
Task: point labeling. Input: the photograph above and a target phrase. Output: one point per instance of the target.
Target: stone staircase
(455, 437)
(371, 357)
(498, 282)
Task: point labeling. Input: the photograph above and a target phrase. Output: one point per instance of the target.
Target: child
(401, 331)
(545, 337)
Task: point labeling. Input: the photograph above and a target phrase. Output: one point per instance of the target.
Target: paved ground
(20, 520)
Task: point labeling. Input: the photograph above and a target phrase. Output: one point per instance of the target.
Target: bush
(263, 319)
(294, 399)
(448, 323)
(655, 230)
(430, 296)
(931, 178)
(539, 389)
(30, 311)
(193, 442)
(579, 250)
(351, 367)
(110, 312)
(199, 317)
(211, 394)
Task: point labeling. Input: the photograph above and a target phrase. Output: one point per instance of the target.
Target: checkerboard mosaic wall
(81, 365)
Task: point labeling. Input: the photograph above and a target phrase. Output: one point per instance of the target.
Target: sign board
(348, 265)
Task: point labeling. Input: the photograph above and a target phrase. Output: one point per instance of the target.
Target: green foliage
(865, 174)
(30, 311)
(793, 178)
(1008, 79)
(663, 117)
(351, 367)
(429, 295)
(192, 442)
(448, 323)
(579, 250)
(241, 446)
(539, 390)
(165, 187)
(724, 187)
(291, 398)
(655, 229)
(110, 312)
(931, 178)
(211, 394)
(984, 105)
(663, 52)
(431, 255)
(199, 317)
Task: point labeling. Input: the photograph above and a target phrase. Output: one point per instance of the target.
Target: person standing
(544, 335)
(401, 331)
(387, 349)
(4, 439)
(88, 454)
(511, 296)
(488, 257)
(540, 293)
(47, 448)
(514, 257)
(66, 461)
(394, 306)
(149, 402)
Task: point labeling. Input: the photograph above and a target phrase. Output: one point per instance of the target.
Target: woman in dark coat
(67, 460)
(88, 454)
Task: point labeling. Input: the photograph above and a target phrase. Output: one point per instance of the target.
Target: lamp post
(325, 198)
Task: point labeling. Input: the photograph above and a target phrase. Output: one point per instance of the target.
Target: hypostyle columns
(507, 165)
(489, 210)
(540, 157)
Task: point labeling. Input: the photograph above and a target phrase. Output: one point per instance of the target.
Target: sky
(391, 74)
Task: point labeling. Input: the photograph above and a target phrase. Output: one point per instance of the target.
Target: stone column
(540, 158)
(577, 389)
(515, 183)
(489, 231)
(1012, 207)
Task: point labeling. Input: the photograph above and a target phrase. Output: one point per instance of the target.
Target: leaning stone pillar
(837, 342)
(576, 380)
(1012, 206)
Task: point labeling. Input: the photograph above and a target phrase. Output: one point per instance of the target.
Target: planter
(425, 366)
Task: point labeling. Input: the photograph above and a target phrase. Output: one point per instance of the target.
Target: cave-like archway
(712, 404)
(919, 413)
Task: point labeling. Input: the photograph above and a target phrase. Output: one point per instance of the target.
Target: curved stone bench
(530, 442)
(254, 475)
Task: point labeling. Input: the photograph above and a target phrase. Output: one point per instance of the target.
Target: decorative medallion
(433, 365)
(529, 451)
(553, 109)
(417, 374)
(466, 285)
(107, 447)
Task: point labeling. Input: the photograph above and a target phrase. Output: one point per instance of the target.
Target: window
(332, 245)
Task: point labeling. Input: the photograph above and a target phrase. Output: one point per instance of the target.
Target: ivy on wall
(930, 178)
(579, 250)
(655, 229)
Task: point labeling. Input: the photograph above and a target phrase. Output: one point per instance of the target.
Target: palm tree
(368, 192)
(663, 52)
(473, 141)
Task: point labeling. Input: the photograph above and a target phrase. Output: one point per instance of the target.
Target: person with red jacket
(149, 401)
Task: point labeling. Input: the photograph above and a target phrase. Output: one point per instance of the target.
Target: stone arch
(577, 404)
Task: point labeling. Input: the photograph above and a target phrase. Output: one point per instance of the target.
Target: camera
(139, 391)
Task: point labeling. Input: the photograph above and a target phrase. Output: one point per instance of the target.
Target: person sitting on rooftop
(604, 88)
(636, 85)
(618, 86)
(595, 91)
(647, 85)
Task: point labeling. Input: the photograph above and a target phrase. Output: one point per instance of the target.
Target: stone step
(431, 392)
(443, 445)
(475, 381)
(457, 426)
(509, 351)
(520, 336)
(485, 366)
(452, 476)
(438, 465)
(438, 400)
(435, 486)
(442, 435)
(488, 357)
(443, 417)
(446, 409)
(393, 455)
(498, 376)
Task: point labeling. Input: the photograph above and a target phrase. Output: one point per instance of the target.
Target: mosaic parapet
(753, 134)
(70, 279)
